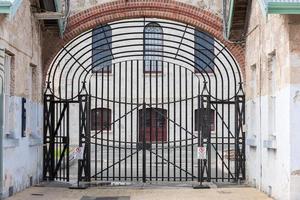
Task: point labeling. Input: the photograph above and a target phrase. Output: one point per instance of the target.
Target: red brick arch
(126, 9)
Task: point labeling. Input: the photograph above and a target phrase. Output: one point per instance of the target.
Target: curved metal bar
(184, 44)
(160, 93)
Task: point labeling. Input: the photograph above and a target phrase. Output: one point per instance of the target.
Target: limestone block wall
(272, 87)
(20, 40)
(67, 79)
(213, 5)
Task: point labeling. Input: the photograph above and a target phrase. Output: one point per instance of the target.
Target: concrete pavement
(140, 193)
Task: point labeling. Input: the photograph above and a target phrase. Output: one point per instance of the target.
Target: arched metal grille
(172, 90)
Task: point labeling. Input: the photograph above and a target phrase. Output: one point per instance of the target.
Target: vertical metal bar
(125, 120)
(96, 127)
(174, 125)
(163, 131)
(244, 139)
(46, 130)
(137, 121)
(216, 139)
(68, 141)
(131, 120)
(208, 137)
(180, 124)
(192, 125)
(144, 106)
(79, 170)
(144, 143)
(199, 138)
(236, 135)
(113, 118)
(59, 139)
(168, 121)
(108, 124)
(64, 144)
(87, 123)
(156, 119)
(215, 124)
(144, 125)
(120, 120)
(228, 135)
(243, 121)
(101, 126)
(186, 126)
(56, 150)
(223, 159)
(88, 140)
(151, 116)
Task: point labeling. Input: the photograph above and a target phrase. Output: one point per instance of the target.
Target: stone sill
(10, 142)
(270, 143)
(251, 142)
(35, 140)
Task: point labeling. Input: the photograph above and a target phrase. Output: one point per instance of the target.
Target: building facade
(272, 88)
(153, 70)
(53, 48)
(21, 98)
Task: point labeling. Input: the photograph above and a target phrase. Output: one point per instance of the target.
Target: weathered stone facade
(215, 6)
(202, 18)
(272, 62)
(32, 50)
(20, 39)
(269, 59)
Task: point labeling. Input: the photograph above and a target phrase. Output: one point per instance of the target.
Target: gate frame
(84, 100)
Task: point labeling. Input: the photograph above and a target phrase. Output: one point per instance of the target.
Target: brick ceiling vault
(127, 9)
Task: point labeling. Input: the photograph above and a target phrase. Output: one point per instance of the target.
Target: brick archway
(126, 9)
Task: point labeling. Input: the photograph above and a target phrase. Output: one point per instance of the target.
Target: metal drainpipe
(224, 19)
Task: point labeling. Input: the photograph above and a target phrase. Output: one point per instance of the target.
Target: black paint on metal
(153, 133)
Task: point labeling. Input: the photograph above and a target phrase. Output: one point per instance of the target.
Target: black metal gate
(147, 100)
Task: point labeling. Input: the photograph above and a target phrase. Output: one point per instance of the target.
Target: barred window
(204, 52)
(101, 49)
(153, 35)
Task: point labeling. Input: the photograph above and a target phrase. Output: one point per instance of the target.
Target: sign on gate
(201, 153)
(77, 153)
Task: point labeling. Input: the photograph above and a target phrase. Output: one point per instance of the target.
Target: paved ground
(140, 193)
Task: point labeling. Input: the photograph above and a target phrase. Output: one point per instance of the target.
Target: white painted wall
(22, 157)
(82, 46)
(273, 152)
(223, 62)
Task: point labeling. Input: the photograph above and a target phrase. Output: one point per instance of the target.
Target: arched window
(101, 119)
(204, 52)
(101, 52)
(153, 47)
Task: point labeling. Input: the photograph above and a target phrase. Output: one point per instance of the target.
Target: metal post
(144, 142)
(200, 142)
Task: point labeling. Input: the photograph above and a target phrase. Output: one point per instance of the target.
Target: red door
(153, 122)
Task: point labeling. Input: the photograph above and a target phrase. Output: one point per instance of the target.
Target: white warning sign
(77, 153)
(201, 153)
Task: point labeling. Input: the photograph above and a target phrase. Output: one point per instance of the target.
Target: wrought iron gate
(140, 97)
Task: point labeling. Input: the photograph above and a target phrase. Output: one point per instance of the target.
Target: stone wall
(20, 38)
(214, 6)
(272, 88)
(84, 17)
